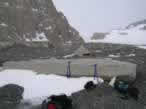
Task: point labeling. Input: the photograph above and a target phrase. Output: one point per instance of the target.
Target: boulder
(10, 96)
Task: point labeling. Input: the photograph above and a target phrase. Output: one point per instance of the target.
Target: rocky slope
(35, 23)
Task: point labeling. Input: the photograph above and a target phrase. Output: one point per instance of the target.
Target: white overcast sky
(89, 16)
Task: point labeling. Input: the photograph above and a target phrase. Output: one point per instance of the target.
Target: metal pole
(68, 73)
(95, 71)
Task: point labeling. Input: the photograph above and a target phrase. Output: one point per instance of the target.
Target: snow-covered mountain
(134, 34)
(137, 23)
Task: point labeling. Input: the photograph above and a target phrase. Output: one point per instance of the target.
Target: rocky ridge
(36, 23)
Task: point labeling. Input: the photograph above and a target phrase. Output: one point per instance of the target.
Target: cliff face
(32, 21)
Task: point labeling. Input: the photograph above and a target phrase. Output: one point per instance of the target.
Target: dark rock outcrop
(98, 36)
(10, 96)
(144, 28)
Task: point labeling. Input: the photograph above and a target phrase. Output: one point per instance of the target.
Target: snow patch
(63, 17)
(48, 28)
(69, 56)
(40, 86)
(113, 56)
(34, 10)
(9, 37)
(98, 51)
(40, 37)
(60, 36)
(27, 40)
(6, 4)
(131, 55)
(68, 42)
(19, 7)
(112, 82)
(40, 24)
(3, 24)
(70, 30)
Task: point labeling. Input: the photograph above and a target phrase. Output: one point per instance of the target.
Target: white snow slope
(41, 86)
(132, 36)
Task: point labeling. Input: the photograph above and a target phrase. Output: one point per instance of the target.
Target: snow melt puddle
(40, 86)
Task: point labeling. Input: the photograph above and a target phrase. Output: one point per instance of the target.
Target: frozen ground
(39, 86)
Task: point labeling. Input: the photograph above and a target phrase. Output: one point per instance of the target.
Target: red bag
(51, 106)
